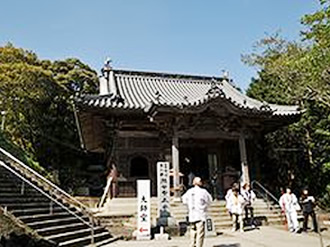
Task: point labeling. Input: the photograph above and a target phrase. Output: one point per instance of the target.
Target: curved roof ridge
(165, 75)
(137, 89)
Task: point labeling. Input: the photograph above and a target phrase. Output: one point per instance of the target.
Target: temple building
(204, 126)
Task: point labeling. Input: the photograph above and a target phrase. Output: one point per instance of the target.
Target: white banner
(163, 189)
(143, 221)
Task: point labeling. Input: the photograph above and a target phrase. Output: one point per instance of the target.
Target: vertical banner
(143, 221)
(163, 189)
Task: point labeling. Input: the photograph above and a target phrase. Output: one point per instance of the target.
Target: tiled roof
(141, 90)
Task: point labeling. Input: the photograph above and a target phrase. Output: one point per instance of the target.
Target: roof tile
(140, 89)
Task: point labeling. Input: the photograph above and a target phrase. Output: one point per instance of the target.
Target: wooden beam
(137, 133)
(175, 164)
(244, 161)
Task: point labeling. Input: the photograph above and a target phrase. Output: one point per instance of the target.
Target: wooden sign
(163, 189)
(143, 220)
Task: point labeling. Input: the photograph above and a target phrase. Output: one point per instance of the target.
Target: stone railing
(43, 183)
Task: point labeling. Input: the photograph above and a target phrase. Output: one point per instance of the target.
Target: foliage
(21, 155)
(36, 97)
(9, 224)
(298, 73)
(14, 233)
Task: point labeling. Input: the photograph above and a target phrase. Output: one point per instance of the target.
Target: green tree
(299, 73)
(36, 96)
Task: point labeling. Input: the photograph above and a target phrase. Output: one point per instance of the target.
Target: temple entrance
(139, 167)
(194, 160)
(217, 163)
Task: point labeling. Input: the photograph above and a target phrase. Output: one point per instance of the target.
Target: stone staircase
(265, 214)
(54, 219)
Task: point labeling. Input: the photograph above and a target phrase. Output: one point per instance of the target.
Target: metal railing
(268, 197)
(105, 193)
(17, 168)
(47, 185)
(266, 194)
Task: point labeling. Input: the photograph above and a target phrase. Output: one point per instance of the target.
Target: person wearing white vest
(197, 199)
(234, 186)
(289, 204)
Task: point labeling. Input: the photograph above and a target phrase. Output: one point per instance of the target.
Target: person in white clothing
(228, 194)
(197, 199)
(289, 205)
(249, 196)
(235, 205)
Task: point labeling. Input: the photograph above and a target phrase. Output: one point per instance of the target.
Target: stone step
(17, 193)
(75, 234)
(9, 184)
(255, 205)
(225, 214)
(183, 218)
(100, 239)
(268, 214)
(264, 217)
(225, 224)
(256, 210)
(222, 212)
(33, 211)
(15, 189)
(53, 230)
(45, 216)
(19, 196)
(27, 205)
(12, 199)
(54, 222)
(217, 210)
(154, 203)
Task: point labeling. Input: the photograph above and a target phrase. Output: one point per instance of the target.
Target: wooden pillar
(245, 178)
(175, 165)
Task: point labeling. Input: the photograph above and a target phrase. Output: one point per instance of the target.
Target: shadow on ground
(227, 245)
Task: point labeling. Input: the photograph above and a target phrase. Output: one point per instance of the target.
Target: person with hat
(197, 199)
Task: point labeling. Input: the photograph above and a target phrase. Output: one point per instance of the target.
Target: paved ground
(266, 237)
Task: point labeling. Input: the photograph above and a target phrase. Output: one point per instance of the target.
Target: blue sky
(177, 36)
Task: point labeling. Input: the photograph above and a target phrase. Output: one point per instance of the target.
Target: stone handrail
(26, 180)
(42, 182)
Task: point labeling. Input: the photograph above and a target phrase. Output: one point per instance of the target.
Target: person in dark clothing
(308, 203)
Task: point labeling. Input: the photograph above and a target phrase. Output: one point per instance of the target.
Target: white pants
(291, 218)
(237, 218)
(197, 233)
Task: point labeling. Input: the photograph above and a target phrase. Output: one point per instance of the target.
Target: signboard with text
(163, 189)
(209, 228)
(143, 221)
